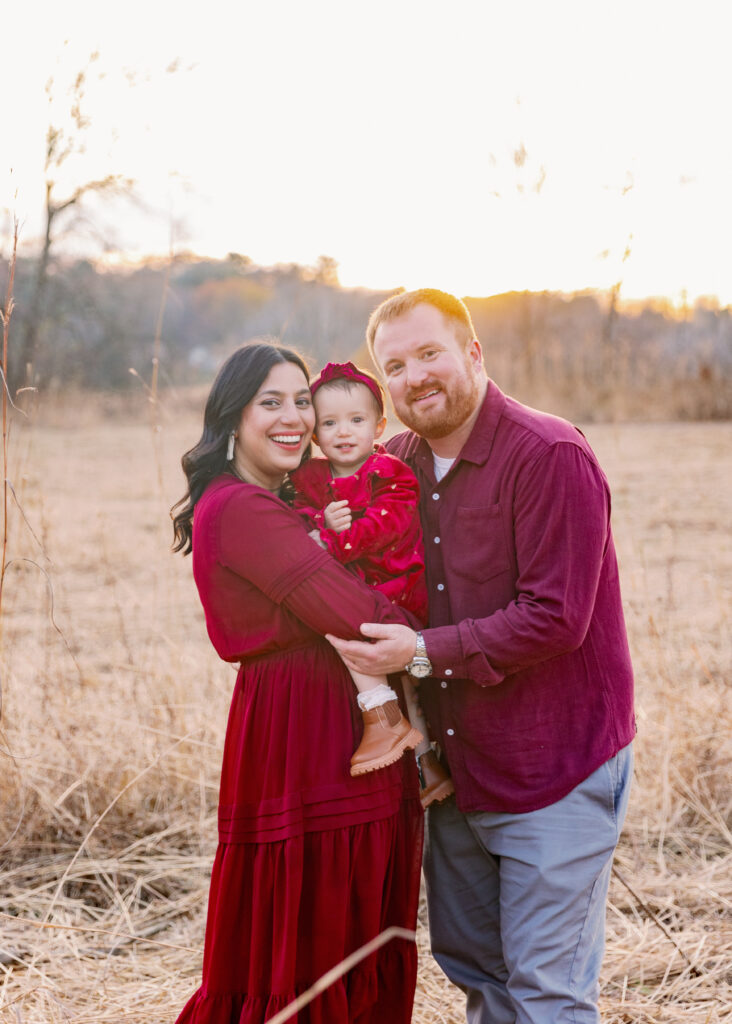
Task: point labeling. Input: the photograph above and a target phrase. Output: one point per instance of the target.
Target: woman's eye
(304, 403)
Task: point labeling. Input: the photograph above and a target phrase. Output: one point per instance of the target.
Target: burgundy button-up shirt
(532, 685)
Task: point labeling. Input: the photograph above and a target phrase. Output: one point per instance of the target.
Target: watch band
(420, 666)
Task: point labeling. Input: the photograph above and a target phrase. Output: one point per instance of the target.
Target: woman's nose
(290, 412)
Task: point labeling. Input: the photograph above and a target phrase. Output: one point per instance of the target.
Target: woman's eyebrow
(274, 391)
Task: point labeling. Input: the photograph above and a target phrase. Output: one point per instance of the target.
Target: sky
(475, 146)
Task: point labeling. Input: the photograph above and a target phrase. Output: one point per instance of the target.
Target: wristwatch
(420, 665)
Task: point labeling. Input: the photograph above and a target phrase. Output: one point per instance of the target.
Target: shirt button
(435, 496)
(437, 540)
(440, 586)
(448, 671)
(443, 684)
(450, 732)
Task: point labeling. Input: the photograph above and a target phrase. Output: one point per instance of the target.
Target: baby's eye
(326, 423)
(358, 419)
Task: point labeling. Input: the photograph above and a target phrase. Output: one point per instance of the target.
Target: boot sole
(410, 741)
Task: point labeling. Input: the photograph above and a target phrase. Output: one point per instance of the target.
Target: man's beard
(433, 424)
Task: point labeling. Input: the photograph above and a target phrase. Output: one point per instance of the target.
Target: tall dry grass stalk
(108, 803)
(5, 315)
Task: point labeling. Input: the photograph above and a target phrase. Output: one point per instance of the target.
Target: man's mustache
(415, 393)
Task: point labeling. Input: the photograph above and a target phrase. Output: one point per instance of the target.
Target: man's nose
(416, 372)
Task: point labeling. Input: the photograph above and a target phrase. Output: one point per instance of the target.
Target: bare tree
(61, 143)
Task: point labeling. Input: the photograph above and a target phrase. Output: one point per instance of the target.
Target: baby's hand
(337, 516)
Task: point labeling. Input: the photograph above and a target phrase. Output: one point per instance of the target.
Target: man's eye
(394, 368)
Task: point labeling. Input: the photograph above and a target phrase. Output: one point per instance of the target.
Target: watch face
(420, 668)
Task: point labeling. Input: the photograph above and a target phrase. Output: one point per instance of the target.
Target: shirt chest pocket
(478, 551)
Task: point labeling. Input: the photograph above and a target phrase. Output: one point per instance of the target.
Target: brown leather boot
(386, 735)
(436, 783)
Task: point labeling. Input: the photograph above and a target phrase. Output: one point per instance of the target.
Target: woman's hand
(337, 516)
(315, 534)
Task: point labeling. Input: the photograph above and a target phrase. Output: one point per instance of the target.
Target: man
(525, 672)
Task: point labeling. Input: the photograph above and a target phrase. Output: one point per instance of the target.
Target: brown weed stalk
(5, 315)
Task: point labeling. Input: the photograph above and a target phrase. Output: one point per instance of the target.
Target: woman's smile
(288, 440)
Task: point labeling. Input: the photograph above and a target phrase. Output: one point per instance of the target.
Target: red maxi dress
(311, 863)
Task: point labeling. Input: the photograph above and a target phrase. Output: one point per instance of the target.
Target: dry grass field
(114, 708)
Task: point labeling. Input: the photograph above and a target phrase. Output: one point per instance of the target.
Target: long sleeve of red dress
(264, 583)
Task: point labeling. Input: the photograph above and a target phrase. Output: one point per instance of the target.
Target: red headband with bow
(347, 371)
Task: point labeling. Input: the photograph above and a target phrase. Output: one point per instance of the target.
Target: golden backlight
(481, 148)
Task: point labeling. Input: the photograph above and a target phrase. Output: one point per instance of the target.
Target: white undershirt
(442, 466)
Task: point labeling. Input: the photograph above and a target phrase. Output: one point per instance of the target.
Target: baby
(362, 504)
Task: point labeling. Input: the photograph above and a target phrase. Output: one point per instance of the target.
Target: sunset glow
(500, 147)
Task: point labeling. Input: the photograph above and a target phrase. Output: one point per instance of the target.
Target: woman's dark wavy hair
(236, 384)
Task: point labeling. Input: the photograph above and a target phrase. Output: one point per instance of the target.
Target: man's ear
(475, 353)
(380, 427)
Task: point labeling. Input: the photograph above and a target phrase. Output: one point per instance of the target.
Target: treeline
(97, 323)
(583, 357)
(579, 355)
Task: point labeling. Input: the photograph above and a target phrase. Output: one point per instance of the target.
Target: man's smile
(422, 396)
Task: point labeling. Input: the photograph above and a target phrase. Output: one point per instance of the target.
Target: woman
(312, 862)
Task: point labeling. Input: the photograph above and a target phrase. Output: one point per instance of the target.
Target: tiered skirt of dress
(311, 864)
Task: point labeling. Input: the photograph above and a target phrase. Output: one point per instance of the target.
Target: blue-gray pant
(517, 901)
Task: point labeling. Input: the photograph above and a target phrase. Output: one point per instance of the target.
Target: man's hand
(337, 516)
(394, 648)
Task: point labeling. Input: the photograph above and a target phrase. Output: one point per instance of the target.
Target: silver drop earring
(230, 447)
